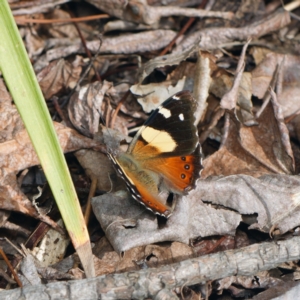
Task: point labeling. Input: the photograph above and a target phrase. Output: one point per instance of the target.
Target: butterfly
(165, 154)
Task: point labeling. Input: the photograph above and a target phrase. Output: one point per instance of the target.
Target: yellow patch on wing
(159, 139)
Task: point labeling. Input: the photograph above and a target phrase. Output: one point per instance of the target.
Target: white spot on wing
(176, 98)
(165, 112)
(159, 139)
(181, 117)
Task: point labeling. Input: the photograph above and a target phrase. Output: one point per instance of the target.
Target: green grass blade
(24, 88)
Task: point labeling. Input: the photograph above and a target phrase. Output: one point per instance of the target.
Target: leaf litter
(248, 126)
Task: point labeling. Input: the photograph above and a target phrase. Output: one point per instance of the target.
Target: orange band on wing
(151, 201)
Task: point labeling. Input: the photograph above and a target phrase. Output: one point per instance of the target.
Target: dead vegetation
(236, 234)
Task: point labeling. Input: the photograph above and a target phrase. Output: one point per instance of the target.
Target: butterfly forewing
(169, 131)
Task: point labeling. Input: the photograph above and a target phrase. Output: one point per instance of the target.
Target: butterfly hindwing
(141, 183)
(179, 173)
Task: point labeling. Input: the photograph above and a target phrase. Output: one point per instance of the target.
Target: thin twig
(245, 261)
(87, 51)
(182, 31)
(11, 268)
(22, 20)
(114, 116)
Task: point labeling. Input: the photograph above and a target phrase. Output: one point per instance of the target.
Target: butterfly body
(164, 154)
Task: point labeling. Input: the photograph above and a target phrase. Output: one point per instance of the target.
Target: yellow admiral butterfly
(164, 154)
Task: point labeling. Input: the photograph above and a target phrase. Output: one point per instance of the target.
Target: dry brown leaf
(254, 150)
(129, 225)
(259, 54)
(52, 247)
(108, 261)
(150, 96)
(275, 198)
(202, 82)
(35, 44)
(184, 69)
(243, 108)
(97, 165)
(289, 98)
(11, 122)
(130, 108)
(214, 244)
(18, 154)
(58, 76)
(231, 158)
(85, 106)
(269, 141)
(64, 30)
